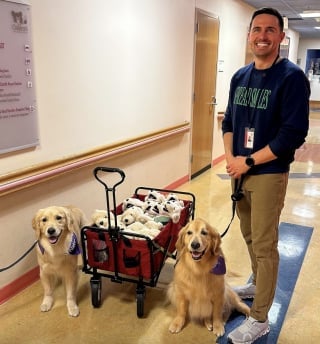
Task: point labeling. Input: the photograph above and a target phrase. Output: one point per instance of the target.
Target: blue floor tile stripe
(293, 175)
(293, 244)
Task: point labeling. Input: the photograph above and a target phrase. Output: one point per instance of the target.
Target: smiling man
(266, 120)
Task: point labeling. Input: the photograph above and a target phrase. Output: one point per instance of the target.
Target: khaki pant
(259, 212)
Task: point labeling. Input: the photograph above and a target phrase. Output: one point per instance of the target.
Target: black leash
(235, 197)
(18, 260)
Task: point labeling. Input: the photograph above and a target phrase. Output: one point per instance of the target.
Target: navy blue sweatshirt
(275, 103)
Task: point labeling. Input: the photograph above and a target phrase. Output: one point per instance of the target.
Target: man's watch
(250, 161)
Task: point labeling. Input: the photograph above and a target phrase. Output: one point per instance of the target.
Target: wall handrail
(36, 174)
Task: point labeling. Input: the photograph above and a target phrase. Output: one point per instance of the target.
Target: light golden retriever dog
(58, 233)
(199, 290)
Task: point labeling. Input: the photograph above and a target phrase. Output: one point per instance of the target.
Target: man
(266, 120)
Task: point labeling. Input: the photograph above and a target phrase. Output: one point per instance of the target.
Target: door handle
(213, 102)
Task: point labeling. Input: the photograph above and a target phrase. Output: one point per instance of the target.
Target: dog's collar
(41, 248)
(220, 267)
(74, 247)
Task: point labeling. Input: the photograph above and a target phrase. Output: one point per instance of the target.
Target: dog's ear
(70, 219)
(180, 240)
(36, 222)
(216, 241)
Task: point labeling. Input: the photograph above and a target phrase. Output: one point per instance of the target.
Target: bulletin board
(18, 110)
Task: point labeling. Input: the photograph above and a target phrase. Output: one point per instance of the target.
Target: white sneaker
(246, 291)
(249, 331)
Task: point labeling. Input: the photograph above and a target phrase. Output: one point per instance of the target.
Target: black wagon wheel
(95, 283)
(140, 305)
(140, 295)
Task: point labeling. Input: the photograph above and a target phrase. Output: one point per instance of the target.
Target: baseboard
(19, 284)
(218, 160)
(177, 183)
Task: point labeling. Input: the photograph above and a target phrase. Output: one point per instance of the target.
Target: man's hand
(236, 166)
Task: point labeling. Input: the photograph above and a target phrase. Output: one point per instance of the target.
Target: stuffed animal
(140, 228)
(100, 218)
(172, 209)
(156, 196)
(134, 214)
(153, 208)
(151, 224)
(174, 198)
(131, 202)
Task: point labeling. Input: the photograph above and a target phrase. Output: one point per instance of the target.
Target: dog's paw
(208, 324)
(46, 304)
(218, 329)
(73, 309)
(176, 325)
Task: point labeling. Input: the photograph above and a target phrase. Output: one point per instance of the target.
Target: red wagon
(125, 256)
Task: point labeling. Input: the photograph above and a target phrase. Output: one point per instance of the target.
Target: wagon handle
(108, 170)
(110, 190)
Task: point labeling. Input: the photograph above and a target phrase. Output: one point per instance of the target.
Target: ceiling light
(310, 14)
(317, 27)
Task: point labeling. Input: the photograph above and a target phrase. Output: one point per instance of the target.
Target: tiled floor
(115, 322)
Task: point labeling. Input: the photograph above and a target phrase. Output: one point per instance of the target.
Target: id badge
(249, 137)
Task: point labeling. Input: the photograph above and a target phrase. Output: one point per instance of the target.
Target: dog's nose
(195, 245)
(51, 231)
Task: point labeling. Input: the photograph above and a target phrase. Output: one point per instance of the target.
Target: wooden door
(206, 55)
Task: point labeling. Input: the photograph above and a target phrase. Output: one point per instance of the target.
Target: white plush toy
(171, 197)
(140, 228)
(131, 202)
(153, 208)
(100, 218)
(153, 225)
(172, 209)
(134, 214)
(156, 196)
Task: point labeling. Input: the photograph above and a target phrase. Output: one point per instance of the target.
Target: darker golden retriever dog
(199, 290)
(58, 234)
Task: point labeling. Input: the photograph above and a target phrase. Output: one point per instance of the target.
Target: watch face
(250, 161)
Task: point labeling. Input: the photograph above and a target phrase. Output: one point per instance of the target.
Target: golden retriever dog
(58, 233)
(199, 290)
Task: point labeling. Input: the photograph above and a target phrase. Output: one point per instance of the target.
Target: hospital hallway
(116, 322)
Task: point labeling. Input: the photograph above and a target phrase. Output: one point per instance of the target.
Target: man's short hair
(271, 11)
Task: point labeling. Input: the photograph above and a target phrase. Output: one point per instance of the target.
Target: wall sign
(18, 111)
